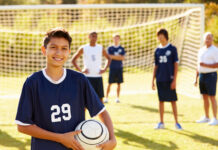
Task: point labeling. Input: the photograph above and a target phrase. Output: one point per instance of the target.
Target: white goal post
(22, 29)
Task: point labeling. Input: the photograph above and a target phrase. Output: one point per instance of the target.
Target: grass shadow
(8, 141)
(197, 137)
(144, 143)
(153, 110)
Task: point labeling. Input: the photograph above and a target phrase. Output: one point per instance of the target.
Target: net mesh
(22, 30)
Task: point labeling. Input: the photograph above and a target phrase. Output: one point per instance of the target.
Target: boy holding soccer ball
(53, 100)
(165, 72)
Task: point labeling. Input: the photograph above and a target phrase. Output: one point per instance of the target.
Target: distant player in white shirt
(92, 60)
(207, 72)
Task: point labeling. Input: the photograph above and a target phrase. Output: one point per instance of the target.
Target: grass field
(134, 119)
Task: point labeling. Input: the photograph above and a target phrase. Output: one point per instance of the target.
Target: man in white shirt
(92, 60)
(207, 72)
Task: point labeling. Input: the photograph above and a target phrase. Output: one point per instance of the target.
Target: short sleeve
(156, 58)
(92, 101)
(123, 52)
(25, 107)
(175, 55)
(109, 51)
(216, 56)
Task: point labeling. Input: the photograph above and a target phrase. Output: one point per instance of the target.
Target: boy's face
(116, 39)
(93, 38)
(209, 40)
(161, 38)
(57, 52)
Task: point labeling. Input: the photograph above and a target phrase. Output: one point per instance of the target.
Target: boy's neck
(54, 73)
(116, 44)
(164, 43)
(92, 44)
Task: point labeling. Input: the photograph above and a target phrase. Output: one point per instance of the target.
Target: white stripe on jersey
(21, 123)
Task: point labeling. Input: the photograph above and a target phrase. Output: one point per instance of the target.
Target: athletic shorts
(116, 75)
(207, 83)
(165, 93)
(97, 84)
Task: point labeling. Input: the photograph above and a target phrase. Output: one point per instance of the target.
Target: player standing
(207, 70)
(165, 72)
(92, 60)
(53, 100)
(117, 54)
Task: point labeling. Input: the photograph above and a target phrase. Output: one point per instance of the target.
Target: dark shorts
(207, 83)
(165, 93)
(97, 84)
(116, 75)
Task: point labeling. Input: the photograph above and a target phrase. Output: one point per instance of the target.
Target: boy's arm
(111, 144)
(117, 57)
(196, 78)
(215, 65)
(173, 84)
(154, 76)
(107, 62)
(67, 139)
(75, 57)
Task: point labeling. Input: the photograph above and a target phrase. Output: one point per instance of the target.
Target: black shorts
(207, 83)
(165, 93)
(116, 75)
(97, 84)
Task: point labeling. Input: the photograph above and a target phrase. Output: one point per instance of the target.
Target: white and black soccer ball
(93, 133)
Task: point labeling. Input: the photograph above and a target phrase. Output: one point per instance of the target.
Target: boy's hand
(196, 83)
(68, 140)
(85, 71)
(109, 145)
(173, 85)
(102, 71)
(153, 85)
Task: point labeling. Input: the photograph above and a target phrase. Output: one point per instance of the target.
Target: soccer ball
(93, 133)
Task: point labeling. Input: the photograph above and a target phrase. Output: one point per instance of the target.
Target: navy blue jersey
(56, 106)
(165, 57)
(112, 50)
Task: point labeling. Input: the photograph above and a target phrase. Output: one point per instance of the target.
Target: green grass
(134, 119)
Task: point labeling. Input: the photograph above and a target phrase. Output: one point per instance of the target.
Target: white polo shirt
(208, 56)
(92, 59)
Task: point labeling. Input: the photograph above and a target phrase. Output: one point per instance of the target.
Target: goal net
(22, 29)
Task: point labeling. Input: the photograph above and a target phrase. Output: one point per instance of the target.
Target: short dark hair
(163, 32)
(93, 32)
(57, 32)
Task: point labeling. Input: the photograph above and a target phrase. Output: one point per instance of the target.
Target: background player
(165, 72)
(207, 70)
(117, 54)
(53, 100)
(92, 60)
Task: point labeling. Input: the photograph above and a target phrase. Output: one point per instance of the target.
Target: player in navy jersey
(117, 54)
(165, 72)
(53, 100)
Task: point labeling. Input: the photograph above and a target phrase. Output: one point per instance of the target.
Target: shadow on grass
(142, 142)
(8, 141)
(197, 137)
(153, 110)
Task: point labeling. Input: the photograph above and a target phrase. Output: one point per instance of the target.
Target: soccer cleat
(117, 100)
(106, 100)
(213, 122)
(203, 120)
(160, 125)
(178, 126)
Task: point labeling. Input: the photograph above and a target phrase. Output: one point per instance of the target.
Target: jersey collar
(116, 46)
(160, 46)
(53, 81)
